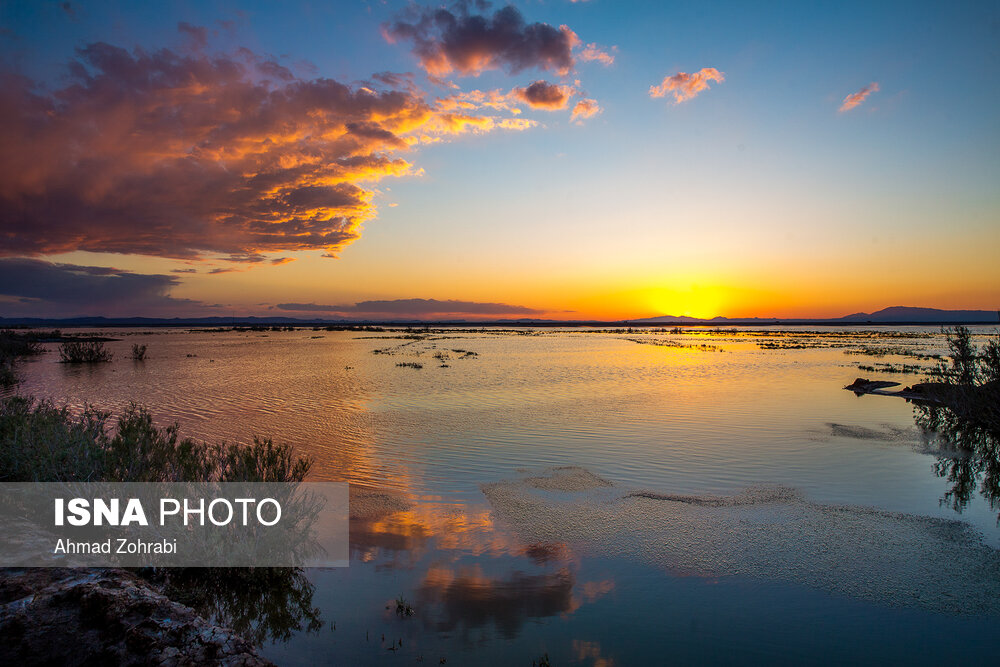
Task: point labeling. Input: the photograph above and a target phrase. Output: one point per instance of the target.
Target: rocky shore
(106, 617)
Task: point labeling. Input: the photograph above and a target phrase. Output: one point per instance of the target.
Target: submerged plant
(8, 374)
(83, 351)
(403, 608)
(16, 344)
(13, 346)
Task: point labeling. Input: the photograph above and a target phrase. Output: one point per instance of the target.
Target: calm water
(692, 414)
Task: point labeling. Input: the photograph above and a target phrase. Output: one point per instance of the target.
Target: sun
(695, 301)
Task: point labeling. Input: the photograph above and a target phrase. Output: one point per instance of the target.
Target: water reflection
(646, 416)
(400, 538)
(969, 456)
(262, 604)
(467, 574)
(469, 599)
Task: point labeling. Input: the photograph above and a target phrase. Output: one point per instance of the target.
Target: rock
(106, 616)
(865, 386)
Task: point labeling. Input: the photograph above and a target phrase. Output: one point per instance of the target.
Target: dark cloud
(197, 34)
(544, 95)
(413, 308)
(183, 155)
(457, 40)
(68, 289)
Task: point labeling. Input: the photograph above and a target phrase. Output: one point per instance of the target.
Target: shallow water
(577, 577)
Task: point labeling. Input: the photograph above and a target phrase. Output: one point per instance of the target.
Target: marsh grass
(83, 352)
(895, 368)
(890, 350)
(666, 342)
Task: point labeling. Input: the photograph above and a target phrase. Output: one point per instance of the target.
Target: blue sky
(758, 190)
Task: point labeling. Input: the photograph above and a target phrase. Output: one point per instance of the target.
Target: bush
(14, 345)
(8, 375)
(83, 352)
(967, 424)
(138, 352)
(42, 443)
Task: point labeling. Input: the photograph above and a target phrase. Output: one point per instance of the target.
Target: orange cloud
(538, 95)
(686, 86)
(190, 156)
(593, 52)
(854, 99)
(585, 108)
(544, 95)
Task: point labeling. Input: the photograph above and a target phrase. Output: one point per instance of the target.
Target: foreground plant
(42, 443)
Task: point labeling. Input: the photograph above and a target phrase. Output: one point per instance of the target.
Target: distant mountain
(891, 315)
(928, 315)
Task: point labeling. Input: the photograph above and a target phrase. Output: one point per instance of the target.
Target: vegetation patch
(83, 352)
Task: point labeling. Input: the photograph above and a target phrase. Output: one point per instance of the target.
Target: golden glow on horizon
(605, 289)
(701, 302)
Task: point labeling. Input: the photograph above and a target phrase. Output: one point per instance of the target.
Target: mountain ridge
(890, 315)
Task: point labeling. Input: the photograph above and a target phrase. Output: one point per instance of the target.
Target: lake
(609, 497)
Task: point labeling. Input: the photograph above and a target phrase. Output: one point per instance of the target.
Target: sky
(558, 159)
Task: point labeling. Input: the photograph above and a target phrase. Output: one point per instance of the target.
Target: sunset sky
(557, 159)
